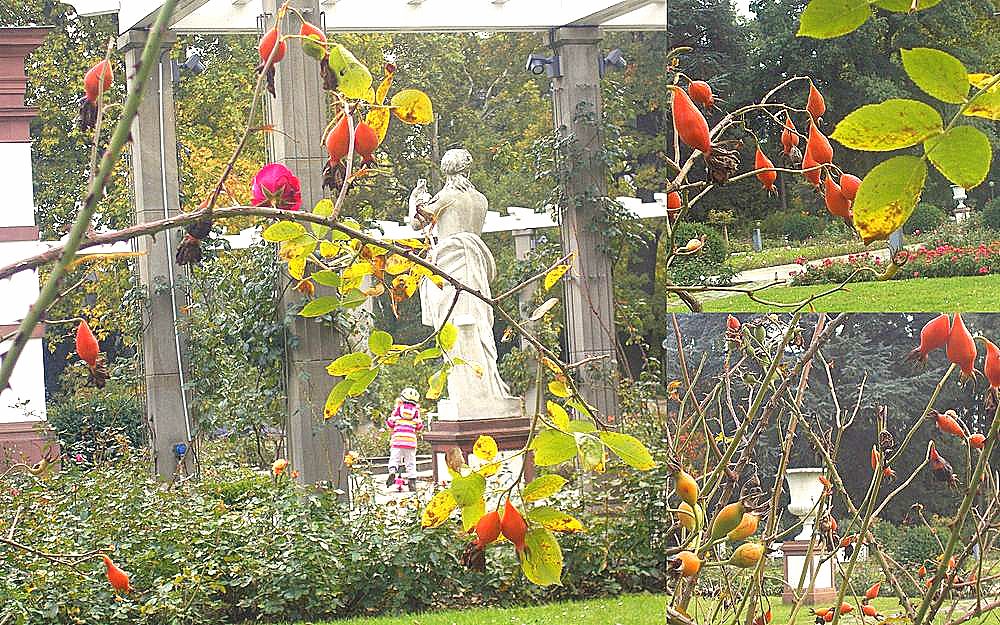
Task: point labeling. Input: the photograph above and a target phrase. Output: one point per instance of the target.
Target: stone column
(300, 114)
(154, 171)
(576, 99)
(23, 433)
(523, 244)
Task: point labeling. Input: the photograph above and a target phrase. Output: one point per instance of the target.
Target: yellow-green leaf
(559, 388)
(323, 208)
(590, 452)
(543, 486)
(891, 125)
(336, 398)
(962, 155)
(555, 520)
(485, 448)
(297, 267)
(553, 447)
(630, 449)
(283, 231)
(438, 509)
(542, 560)
(436, 383)
(353, 78)
(320, 306)
(579, 425)
(825, 19)
(987, 103)
(937, 73)
(349, 363)
(380, 342)
(360, 381)
(447, 336)
(378, 118)
(554, 275)
(558, 414)
(887, 196)
(412, 106)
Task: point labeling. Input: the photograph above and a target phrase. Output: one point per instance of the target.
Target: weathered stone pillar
(523, 244)
(576, 99)
(300, 114)
(23, 435)
(154, 171)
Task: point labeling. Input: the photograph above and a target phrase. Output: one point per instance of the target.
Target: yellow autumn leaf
(559, 388)
(485, 448)
(554, 275)
(396, 264)
(412, 106)
(438, 509)
(489, 469)
(378, 118)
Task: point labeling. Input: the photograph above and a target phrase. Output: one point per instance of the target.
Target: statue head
(455, 165)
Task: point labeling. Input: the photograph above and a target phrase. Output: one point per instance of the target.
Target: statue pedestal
(796, 559)
(510, 433)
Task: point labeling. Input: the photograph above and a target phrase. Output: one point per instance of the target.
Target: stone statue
(454, 219)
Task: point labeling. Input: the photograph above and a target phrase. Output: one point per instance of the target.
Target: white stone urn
(804, 490)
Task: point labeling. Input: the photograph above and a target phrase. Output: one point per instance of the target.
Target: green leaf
(887, 196)
(353, 299)
(349, 363)
(335, 400)
(543, 486)
(553, 447)
(469, 489)
(825, 19)
(323, 208)
(581, 426)
(555, 520)
(542, 560)
(447, 336)
(353, 78)
(320, 306)
(380, 342)
(630, 449)
(891, 125)
(283, 231)
(327, 277)
(360, 381)
(987, 103)
(962, 155)
(472, 513)
(428, 354)
(905, 6)
(937, 73)
(558, 414)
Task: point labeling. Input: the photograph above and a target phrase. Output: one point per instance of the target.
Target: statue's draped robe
(465, 256)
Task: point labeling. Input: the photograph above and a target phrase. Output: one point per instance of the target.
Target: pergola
(572, 30)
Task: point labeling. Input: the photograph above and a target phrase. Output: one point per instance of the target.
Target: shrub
(991, 215)
(707, 263)
(90, 422)
(944, 261)
(799, 227)
(925, 217)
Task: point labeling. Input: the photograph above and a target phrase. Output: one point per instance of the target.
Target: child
(405, 423)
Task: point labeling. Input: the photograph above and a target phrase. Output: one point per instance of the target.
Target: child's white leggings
(401, 457)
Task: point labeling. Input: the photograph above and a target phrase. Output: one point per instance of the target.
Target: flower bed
(942, 261)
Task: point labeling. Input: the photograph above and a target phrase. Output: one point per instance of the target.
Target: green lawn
(973, 294)
(642, 609)
(771, 256)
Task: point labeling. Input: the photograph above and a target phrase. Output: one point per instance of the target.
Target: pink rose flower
(984, 270)
(276, 186)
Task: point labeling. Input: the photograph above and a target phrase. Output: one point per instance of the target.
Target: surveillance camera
(538, 65)
(615, 59)
(193, 63)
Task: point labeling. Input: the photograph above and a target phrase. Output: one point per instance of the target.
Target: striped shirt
(405, 422)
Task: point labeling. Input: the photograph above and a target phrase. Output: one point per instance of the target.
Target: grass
(643, 609)
(769, 257)
(971, 293)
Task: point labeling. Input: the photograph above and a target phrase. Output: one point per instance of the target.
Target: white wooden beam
(612, 11)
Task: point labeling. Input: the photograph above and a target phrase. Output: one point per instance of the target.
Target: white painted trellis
(573, 33)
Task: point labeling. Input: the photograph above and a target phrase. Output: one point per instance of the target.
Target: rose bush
(942, 261)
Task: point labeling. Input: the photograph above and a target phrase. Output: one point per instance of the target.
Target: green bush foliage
(925, 217)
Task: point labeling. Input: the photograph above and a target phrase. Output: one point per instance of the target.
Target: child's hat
(410, 394)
